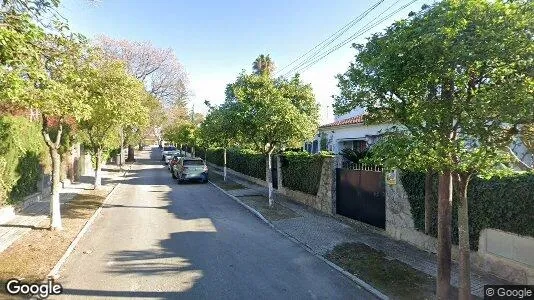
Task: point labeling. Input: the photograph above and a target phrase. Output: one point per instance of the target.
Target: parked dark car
(190, 168)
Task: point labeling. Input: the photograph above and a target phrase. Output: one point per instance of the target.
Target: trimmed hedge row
(501, 203)
(244, 161)
(302, 171)
(22, 150)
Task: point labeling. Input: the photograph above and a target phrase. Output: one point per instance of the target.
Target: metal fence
(361, 167)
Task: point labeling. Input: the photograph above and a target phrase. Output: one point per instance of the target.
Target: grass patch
(390, 276)
(275, 213)
(32, 256)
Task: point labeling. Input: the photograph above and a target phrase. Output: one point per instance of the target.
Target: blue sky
(215, 40)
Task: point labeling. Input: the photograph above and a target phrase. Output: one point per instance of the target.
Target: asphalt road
(158, 239)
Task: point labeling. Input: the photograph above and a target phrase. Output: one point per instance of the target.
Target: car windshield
(169, 148)
(193, 162)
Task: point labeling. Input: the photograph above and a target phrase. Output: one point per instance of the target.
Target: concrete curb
(358, 281)
(54, 273)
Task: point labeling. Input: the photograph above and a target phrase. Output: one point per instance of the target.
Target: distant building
(347, 131)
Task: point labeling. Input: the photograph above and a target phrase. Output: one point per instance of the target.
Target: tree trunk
(464, 292)
(269, 178)
(140, 147)
(121, 155)
(193, 151)
(131, 154)
(98, 169)
(70, 170)
(53, 146)
(428, 202)
(443, 280)
(55, 212)
(224, 164)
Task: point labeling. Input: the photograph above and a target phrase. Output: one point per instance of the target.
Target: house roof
(349, 121)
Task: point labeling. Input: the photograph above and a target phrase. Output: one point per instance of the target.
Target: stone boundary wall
(323, 201)
(506, 255)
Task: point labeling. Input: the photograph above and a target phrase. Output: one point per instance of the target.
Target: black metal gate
(360, 195)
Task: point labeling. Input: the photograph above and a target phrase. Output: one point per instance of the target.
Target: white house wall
(337, 135)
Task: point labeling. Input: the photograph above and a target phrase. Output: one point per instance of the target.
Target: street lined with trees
(455, 78)
(78, 91)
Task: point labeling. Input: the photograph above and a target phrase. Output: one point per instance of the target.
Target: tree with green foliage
(219, 129)
(272, 113)
(159, 69)
(182, 133)
(52, 83)
(457, 79)
(60, 96)
(116, 99)
(19, 56)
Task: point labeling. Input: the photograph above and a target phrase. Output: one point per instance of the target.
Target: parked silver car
(190, 168)
(166, 150)
(169, 155)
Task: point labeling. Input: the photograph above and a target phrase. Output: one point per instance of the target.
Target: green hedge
(500, 203)
(302, 171)
(22, 150)
(248, 162)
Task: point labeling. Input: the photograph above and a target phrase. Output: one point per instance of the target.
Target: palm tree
(263, 65)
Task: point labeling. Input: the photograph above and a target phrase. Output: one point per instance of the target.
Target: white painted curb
(360, 282)
(54, 273)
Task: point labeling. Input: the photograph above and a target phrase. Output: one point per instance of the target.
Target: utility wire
(317, 53)
(370, 25)
(335, 35)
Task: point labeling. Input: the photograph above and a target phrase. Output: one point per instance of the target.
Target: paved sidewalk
(321, 233)
(35, 215)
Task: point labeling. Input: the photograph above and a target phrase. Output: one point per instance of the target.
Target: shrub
(29, 170)
(247, 162)
(22, 150)
(505, 203)
(302, 171)
(355, 156)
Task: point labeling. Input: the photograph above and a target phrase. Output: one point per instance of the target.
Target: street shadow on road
(173, 264)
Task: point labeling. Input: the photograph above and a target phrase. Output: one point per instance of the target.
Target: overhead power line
(336, 35)
(370, 25)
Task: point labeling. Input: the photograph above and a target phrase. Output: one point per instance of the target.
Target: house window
(315, 146)
(359, 145)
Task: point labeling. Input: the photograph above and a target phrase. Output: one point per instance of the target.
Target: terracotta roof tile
(349, 121)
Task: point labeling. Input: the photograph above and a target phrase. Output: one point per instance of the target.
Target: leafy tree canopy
(271, 113)
(456, 77)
